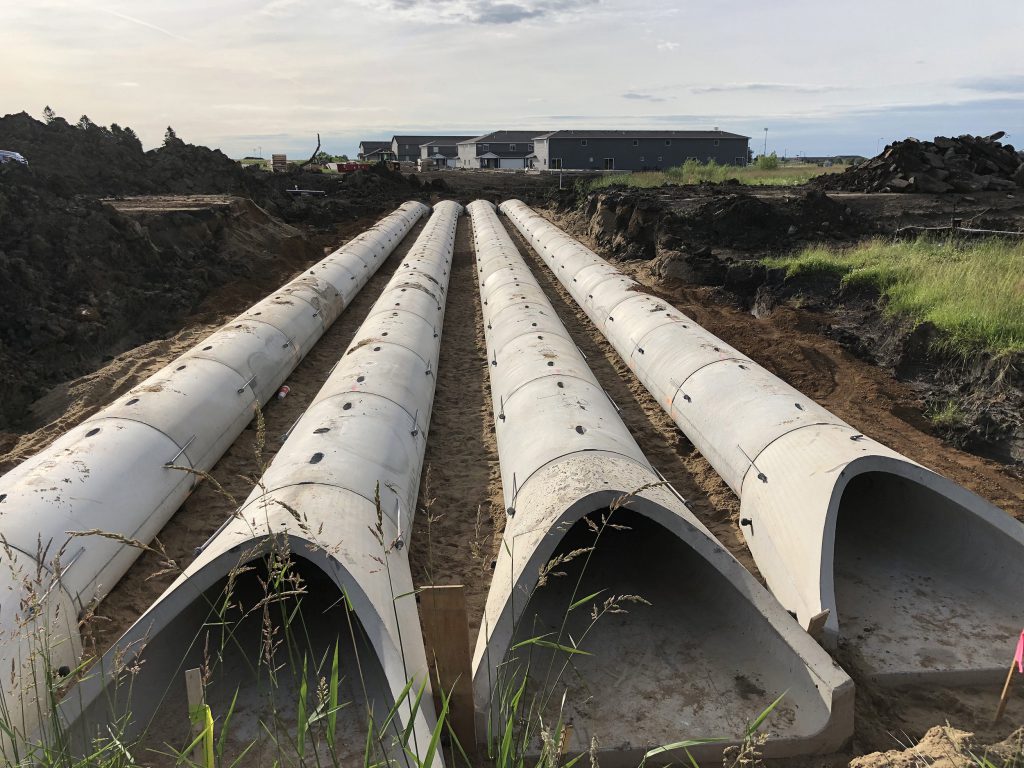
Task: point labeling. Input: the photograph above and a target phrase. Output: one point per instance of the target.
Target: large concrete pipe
(683, 666)
(920, 575)
(125, 471)
(338, 500)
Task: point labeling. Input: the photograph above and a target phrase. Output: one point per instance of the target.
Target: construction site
(483, 469)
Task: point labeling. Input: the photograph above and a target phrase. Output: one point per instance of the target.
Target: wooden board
(446, 637)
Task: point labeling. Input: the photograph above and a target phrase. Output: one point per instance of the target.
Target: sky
(260, 76)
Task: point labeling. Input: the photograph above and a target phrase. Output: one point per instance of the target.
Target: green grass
(692, 172)
(947, 415)
(971, 291)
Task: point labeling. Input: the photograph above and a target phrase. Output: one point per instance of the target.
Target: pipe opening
(686, 648)
(230, 634)
(923, 585)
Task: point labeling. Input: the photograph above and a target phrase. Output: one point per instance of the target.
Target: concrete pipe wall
(565, 454)
(127, 469)
(363, 437)
(847, 532)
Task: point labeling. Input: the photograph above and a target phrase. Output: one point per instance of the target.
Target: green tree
(48, 114)
(768, 162)
(85, 123)
(170, 136)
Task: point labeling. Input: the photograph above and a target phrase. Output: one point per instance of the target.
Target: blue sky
(823, 77)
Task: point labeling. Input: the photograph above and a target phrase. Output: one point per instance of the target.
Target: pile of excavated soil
(84, 282)
(640, 224)
(68, 160)
(89, 273)
(961, 164)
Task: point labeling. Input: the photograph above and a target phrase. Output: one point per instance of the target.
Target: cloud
(666, 45)
(763, 87)
(141, 23)
(998, 83)
(494, 12)
(636, 96)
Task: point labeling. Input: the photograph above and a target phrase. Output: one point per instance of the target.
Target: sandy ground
(461, 511)
(461, 514)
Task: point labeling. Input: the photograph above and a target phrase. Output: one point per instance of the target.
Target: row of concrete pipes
(834, 520)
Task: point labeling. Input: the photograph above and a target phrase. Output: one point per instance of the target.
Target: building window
(716, 142)
(668, 142)
(529, 147)
(641, 158)
(511, 147)
(583, 142)
(485, 147)
(636, 142)
(659, 158)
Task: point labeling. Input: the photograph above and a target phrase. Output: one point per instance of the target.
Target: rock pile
(962, 164)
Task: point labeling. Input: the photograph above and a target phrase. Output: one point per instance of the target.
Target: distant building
(635, 150)
(499, 149)
(379, 150)
(408, 147)
(443, 152)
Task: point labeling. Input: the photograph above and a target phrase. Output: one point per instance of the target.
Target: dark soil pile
(962, 164)
(93, 160)
(643, 224)
(82, 282)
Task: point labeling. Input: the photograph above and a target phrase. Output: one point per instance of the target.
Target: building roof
(447, 141)
(447, 147)
(641, 135)
(500, 137)
(420, 140)
(370, 146)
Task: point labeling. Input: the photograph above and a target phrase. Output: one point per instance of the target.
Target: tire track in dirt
(461, 514)
(236, 472)
(706, 494)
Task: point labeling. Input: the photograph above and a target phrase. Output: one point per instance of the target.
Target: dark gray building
(444, 152)
(498, 149)
(635, 150)
(375, 148)
(408, 147)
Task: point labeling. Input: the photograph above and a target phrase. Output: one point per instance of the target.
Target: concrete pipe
(920, 575)
(126, 470)
(338, 500)
(682, 666)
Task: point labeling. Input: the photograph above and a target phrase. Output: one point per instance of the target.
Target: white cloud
(667, 45)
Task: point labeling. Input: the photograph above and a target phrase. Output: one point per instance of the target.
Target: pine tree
(49, 115)
(85, 123)
(170, 136)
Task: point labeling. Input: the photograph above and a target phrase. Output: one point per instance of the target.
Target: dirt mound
(96, 160)
(83, 281)
(643, 224)
(89, 159)
(944, 747)
(962, 164)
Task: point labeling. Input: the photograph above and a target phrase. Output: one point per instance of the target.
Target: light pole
(878, 143)
(765, 152)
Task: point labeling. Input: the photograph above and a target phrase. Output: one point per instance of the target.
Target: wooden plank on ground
(446, 637)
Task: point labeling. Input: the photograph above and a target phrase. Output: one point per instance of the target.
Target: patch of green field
(972, 291)
(692, 172)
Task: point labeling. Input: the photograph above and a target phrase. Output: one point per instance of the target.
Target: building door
(609, 163)
(556, 163)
